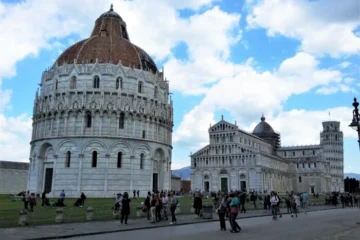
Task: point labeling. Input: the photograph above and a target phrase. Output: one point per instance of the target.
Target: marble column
(107, 156)
(81, 157)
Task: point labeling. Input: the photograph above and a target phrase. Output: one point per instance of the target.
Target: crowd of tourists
(155, 205)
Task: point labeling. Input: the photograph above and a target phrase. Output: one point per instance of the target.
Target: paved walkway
(337, 224)
(91, 228)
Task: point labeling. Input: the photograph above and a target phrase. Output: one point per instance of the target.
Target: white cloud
(32, 25)
(297, 127)
(248, 93)
(344, 64)
(323, 27)
(15, 134)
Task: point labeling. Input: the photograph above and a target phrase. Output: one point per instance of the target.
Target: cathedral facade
(103, 119)
(237, 160)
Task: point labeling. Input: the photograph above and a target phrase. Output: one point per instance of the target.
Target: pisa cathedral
(236, 160)
(103, 119)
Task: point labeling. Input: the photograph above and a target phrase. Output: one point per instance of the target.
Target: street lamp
(356, 117)
(355, 122)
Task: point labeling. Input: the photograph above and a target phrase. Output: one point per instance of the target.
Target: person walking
(274, 201)
(222, 211)
(43, 197)
(242, 200)
(83, 198)
(305, 199)
(173, 204)
(234, 210)
(147, 205)
(26, 200)
(197, 205)
(62, 198)
(32, 201)
(153, 208)
(125, 208)
(165, 201)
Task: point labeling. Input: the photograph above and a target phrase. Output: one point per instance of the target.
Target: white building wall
(12, 181)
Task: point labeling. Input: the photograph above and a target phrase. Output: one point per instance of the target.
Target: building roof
(302, 147)
(263, 127)
(175, 177)
(14, 165)
(109, 42)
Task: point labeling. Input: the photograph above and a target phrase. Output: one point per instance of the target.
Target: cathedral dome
(263, 128)
(109, 42)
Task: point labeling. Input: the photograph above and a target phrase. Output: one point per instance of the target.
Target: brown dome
(109, 42)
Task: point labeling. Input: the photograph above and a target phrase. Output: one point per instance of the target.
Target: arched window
(142, 161)
(143, 134)
(119, 160)
(155, 92)
(73, 82)
(56, 84)
(68, 159)
(194, 163)
(88, 120)
(94, 159)
(96, 82)
(122, 121)
(119, 83)
(140, 86)
(336, 137)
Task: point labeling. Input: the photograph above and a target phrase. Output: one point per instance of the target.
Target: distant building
(13, 177)
(186, 185)
(236, 160)
(175, 183)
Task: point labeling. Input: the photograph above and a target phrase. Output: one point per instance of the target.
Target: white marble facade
(101, 127)
(236, 160)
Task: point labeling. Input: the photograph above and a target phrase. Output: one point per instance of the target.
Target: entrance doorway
(155, 182)
(242, 185)
(312, 190)
(206, 186)
(224, 184)
(48, 179)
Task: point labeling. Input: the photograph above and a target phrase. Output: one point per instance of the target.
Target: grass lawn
(9, 211)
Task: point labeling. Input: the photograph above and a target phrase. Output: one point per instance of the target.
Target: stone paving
(336, 224)
(90, 228)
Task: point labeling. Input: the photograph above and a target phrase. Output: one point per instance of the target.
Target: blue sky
(232, 58)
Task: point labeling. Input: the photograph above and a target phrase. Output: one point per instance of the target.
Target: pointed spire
(262, 118)
(112, 7)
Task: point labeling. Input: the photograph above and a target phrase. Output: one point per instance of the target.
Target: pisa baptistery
(103, 119)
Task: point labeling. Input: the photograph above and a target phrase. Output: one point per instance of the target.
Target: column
(58, 126)
(101, 120)
(117, 127)
(54, 175)
(132, 158)
(107, 156)
(81, 157)
(134, 125)
(65, 125)
(51, 124)
(152, 170)
(92, 123)
(82, 123)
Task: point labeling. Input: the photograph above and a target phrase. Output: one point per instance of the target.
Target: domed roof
(109, 42)
(263, 128)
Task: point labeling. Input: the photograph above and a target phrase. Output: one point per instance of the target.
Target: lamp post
(355, 122)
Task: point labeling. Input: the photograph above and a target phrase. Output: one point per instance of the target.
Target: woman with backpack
(234, 210)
